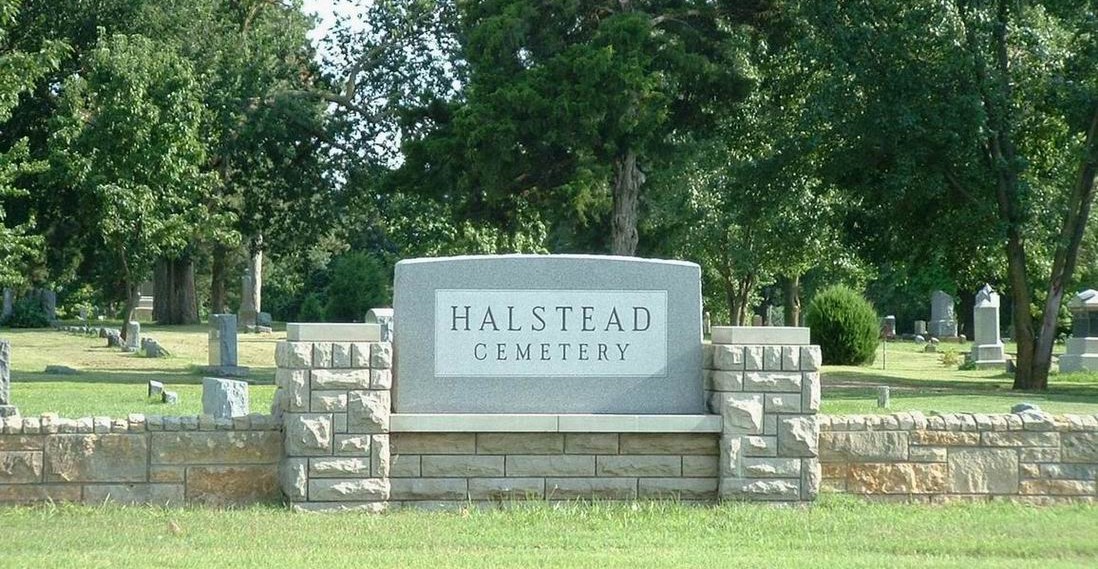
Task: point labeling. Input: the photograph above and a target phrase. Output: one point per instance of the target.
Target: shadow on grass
(191, 375)
(853, 385)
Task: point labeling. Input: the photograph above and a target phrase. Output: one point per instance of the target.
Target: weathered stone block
(771, 467)
(729, 358)
(760, 445)
(798, 436)
(725, 381)
(224, 397)
(926, 454)
(520, 443)
(550, 465)
(341, 355)
(96, 458)
(772, 381)
(782, 403)
(770, 490)
(345, 467)
(225, 485)
(983, 471)
(380, 455)
(639, 465)
(863, 446)
(404, 466)
(590, 488)
(753, 358)
(945, 438)
(22, 442)
(308, 434)
(381, 355)
(700, 466)
(810, 392)
(20, 467)
(1057, 487)
(591, 443)
(742, 413)
(328, 401)
(352, 445)
(669, 443)
(434, 443)
(322, 354)
(293, 388)
(811, 358)
(294, 355)
(368, 411)
(810, 478)
(1080, 447)
(899, 478)
(430, 489)
(293, 478)
(342, 379)
(456, 465)
(217, 447)
(1039, 454)
(349, 490)
(701, 489)
(1020, 439)
(506, 488)
(381, 379)
(772, 358)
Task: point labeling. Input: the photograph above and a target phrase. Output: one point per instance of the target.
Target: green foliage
(27, 312)
(844, 325)
(312, 308)
(949, 357)
(359, 282)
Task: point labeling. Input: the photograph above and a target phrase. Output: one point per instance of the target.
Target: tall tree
(128, 137)
(984, 131)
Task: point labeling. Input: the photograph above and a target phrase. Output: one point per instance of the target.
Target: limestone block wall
(430, 469)
(157, 460)
(1032, 457)
(333, 399)
(768, 396)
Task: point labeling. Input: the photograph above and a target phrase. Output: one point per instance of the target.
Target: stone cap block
(328, 332)
(760, 335)
(549, 423)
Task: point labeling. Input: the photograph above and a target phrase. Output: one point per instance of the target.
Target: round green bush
(844, 325)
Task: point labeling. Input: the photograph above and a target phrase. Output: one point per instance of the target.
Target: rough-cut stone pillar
(765, 383)
(6, 408)
(334, 403)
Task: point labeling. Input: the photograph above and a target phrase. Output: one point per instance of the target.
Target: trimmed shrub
(312, 309)
(27, 312)
(359, 282)
(844, 325)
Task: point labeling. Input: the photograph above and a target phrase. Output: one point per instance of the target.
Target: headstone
(707, 323)
(114, 338)
(145, 301)
(247, 314)
(170, 397)
(757, 320)
(943, 323)
(5, 372)
(1082, 348)
(919, 339)
(548, 334)
(49, 304)
(222, 347)
(987, 348)
(383, 317)
(133, 336)
(884, 395)
(153, 349)
(920, 327)
(224, 398)
(9, 304)
(156, 390)
(888, 327)
(263, 320)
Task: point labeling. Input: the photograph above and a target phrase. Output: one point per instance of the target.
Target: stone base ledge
(533, 423)
(759, 335)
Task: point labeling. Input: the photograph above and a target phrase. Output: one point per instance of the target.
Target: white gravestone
(547, 334)
(1082, 348)
(133, 336)
(987, 346)
(943, 324)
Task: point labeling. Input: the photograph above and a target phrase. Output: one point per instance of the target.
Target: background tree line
(898, 147)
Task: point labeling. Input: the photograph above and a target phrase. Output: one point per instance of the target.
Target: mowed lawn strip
(837, 532)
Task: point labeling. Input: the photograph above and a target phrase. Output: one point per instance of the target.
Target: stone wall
(438, 468)
(157, 460)
(767, 395)
(1031, 457)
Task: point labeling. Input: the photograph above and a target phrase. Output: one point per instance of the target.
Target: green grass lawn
(919, 381)
(113, 383)
(836, 532)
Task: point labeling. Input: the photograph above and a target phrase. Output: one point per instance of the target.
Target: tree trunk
(791, 290)
(218, 272)
(255, 267)
(175, 300)
(628, 180)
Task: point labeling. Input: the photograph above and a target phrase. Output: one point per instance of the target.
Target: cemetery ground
(113, 383)
(835, 532)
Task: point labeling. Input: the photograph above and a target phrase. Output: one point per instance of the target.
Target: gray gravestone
(920, 327)
(223, 347)
(9, 301)
(1082, 347)
(49, 303)
(133, 336)
(987, 349)
(547, 334)
(247, 314)
(224, 398)
(943, 324)
(383, 317)
(5, 372)
(888, 327)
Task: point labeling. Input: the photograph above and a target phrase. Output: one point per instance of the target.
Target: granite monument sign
(548, 334)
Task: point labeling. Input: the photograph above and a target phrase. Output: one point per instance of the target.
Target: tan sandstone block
(896, 478)
(520, 443)
(1058, 487)
(433, 443)
(863, 446)
(216, 447)
(20, 467)
(96, 458)
(670, 443)
(945, 438)
(591, 443)
(983, 471)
